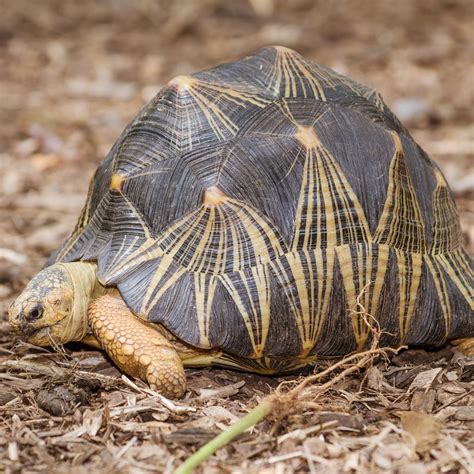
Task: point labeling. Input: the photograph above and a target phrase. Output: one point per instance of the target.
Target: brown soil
(72, 75)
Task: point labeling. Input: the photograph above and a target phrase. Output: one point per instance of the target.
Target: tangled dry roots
(294, 396)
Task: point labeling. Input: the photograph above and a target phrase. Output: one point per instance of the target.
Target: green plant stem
(252, 418)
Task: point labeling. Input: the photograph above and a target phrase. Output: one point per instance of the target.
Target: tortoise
(252, 216)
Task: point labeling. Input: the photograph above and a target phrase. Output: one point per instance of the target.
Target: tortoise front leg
(466, 345)
(136, 347)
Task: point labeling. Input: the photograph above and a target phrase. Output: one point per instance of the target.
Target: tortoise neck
(86, 287)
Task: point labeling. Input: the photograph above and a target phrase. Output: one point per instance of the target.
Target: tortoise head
(48, 309)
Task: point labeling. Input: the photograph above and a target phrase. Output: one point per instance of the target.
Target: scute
(326, 209)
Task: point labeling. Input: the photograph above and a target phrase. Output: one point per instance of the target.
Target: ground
(72, 75)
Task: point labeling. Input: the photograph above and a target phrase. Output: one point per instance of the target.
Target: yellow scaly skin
(65, 302)
(137, 347)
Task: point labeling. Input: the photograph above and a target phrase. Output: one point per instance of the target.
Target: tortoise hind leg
(136, 347)
(466, 345)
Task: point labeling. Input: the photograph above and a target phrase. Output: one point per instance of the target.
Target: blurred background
(72, 74)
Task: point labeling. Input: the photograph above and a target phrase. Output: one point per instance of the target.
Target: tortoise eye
(35, 313)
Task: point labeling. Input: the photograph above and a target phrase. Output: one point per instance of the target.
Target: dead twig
(166, 402)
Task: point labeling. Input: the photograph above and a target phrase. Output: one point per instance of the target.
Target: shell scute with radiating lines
(264, 205)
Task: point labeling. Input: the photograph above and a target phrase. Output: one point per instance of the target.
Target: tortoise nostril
(34, 313)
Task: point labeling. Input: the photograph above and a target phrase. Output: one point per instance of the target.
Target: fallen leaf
(423, 401)
(424, 428)
(465, 413)
(219, 413)
(92, 421)
(374, 378)
(424, 379)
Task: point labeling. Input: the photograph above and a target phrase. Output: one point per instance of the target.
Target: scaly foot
(136, 347)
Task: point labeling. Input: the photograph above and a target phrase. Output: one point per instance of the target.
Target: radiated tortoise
(256, 213)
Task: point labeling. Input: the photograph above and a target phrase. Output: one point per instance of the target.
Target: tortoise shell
(264, 206)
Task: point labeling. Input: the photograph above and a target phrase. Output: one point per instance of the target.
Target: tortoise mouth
(40, 336)
(34, 335)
